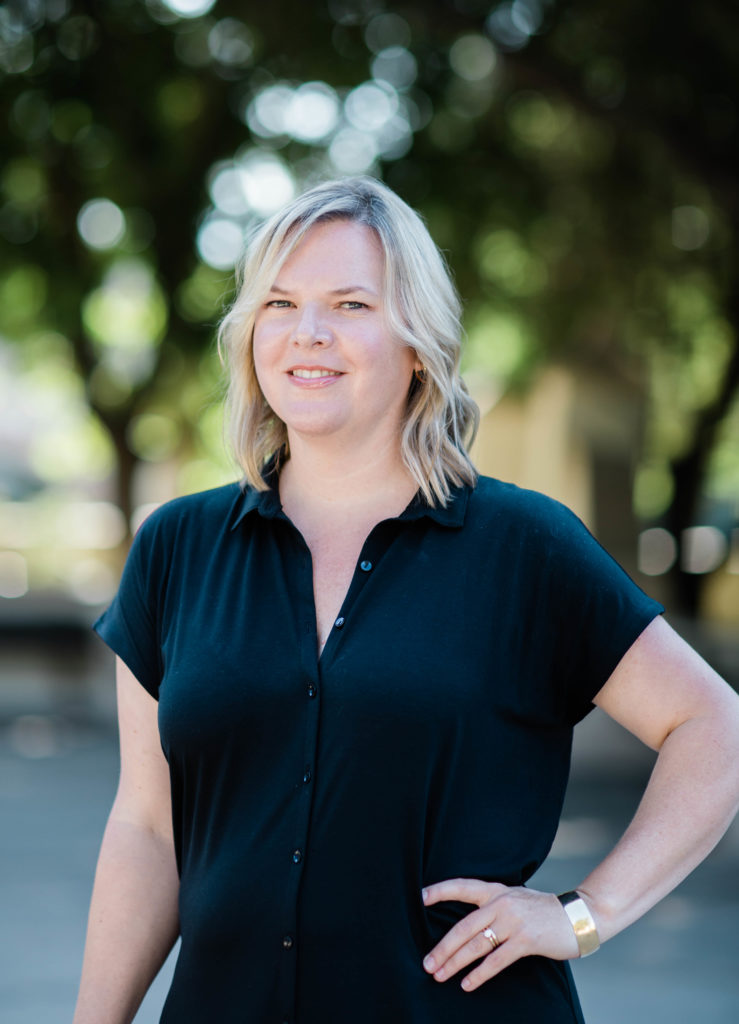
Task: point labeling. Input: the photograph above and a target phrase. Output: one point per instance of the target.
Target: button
(287, 942)
(297, 856)
(312, 690)
(339, 622)
(365, 566)
(307, 775)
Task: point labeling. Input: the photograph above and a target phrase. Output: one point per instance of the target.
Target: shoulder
(202, 512)
(504, 505)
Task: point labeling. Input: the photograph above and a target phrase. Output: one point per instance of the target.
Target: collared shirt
(314, 797)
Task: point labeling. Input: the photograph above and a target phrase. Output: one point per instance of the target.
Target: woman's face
(324, 356)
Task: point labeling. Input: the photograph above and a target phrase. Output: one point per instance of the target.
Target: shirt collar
(452, 514)
(267, 504)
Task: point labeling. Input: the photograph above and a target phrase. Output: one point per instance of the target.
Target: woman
(368, 663)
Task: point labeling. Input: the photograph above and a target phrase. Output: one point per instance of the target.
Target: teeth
(308, 374)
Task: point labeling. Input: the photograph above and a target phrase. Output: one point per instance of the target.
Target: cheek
(262, 362)
(263, 348)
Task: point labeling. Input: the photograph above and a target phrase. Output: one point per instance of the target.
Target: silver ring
(492, 937)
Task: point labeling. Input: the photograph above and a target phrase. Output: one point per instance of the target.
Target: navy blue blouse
(313, 798)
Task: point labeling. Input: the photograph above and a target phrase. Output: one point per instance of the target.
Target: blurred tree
(577, 160)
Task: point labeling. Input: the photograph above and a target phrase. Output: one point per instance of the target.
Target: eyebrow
(344, 290)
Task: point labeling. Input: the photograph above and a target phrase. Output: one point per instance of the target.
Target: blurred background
(576, 160)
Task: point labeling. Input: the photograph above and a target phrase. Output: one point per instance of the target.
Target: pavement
(58, 769)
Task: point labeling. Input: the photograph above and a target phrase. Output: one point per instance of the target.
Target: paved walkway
(57, 781)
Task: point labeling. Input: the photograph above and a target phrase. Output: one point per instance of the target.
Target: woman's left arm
(664, 693)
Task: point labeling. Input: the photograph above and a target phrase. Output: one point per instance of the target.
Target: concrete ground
(58, 765)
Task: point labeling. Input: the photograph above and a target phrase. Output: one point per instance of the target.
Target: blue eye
(351, 304)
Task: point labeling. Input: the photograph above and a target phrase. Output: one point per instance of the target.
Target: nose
(310, 328)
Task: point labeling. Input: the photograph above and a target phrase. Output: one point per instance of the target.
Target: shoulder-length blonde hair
(423, 312)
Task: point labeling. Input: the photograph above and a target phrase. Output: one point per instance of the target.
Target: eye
(352, 304)
(277, 304)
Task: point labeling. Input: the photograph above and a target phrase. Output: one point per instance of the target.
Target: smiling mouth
(312, 374)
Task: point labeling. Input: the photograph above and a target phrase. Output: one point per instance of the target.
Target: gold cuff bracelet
(582, 921)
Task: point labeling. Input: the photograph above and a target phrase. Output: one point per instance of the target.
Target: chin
(313, 426)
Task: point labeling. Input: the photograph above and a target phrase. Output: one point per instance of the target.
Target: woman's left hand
(523, 922)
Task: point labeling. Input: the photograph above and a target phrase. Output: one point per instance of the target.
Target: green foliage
(576, 159)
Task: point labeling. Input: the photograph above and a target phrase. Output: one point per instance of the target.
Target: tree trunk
(689, 470)
(126, 463)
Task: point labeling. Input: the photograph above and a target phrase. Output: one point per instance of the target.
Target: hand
(525, 923)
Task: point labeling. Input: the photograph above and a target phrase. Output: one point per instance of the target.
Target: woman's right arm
(133, 920)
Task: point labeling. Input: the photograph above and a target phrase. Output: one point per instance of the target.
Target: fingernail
(466, 984)
(429, 964)
(424, 894)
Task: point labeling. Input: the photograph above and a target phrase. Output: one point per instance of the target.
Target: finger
(464, 890)
(462, 933)
(505, 954)
(475, 948)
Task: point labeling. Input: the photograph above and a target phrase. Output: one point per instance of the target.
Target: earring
(420, 375)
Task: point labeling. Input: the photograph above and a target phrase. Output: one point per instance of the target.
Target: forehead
(335, 249)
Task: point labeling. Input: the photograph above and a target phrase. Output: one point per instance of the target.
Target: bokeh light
(226, 189)
(153, 436)
(312, 112)
(126, 318)
(352, 151)
(374, 121)
(472, 57)
(267, 181)
(231, 43)
(266, 114)
(370, 106)
(653, 489)
(702, 549)
(219, 242)
(188, 8)
(77, 37)
(690, 228)
(101, 224)
(656, 551)
(386, 30)
(396, 66)
(512, 24)
(16, 43)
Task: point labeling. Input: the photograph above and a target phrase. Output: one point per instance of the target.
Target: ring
(493, 938)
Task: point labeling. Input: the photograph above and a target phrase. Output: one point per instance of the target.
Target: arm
(665, 694)
(133, 920)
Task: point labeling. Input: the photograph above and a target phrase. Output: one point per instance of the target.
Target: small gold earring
(420, 375)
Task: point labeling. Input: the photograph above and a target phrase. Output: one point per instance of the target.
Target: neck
(338, 479)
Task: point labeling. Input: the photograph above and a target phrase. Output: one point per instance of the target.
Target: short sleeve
(130, 625)
(599, 611)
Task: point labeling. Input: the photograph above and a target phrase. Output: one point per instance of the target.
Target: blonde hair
(423, 312)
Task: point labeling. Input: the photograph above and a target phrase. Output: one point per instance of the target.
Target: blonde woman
(347, 687)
